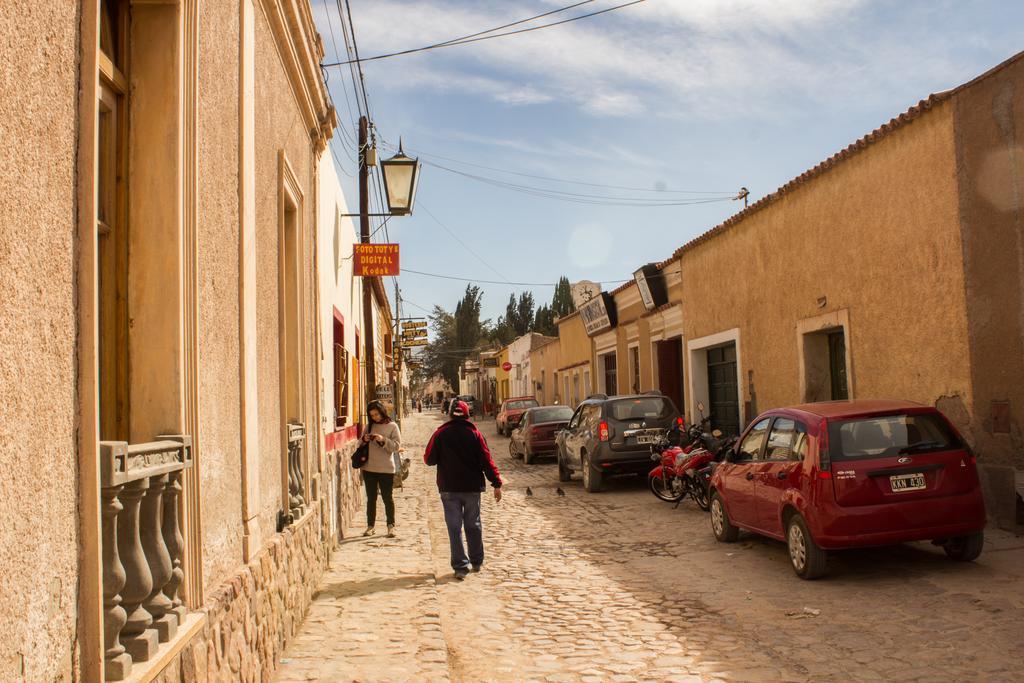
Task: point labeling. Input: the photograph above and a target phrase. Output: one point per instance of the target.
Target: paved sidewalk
(377, 615)
(620, 587)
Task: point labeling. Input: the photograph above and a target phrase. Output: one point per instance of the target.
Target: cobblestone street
(618, 586)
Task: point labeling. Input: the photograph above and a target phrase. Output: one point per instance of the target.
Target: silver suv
(608, 436)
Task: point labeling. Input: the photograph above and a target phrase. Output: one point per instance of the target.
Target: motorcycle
(685, 470)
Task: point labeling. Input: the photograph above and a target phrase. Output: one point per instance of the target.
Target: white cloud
(672, 59)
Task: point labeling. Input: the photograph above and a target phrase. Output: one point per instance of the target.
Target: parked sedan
(511, 412)
(850, 474)
(535, 435)
(609, 436)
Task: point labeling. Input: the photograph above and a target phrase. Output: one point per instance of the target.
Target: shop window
(341, 364)
(111, 223)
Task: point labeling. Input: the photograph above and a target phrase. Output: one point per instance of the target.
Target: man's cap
(461, 409)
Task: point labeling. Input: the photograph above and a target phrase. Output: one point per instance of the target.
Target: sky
(677, 100)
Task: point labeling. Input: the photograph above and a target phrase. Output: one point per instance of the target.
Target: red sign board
(506, 366)
(375, 259)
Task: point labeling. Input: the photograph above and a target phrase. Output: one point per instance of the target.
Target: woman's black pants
(385, 482)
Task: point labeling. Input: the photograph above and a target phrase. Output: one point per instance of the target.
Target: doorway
(723, 390)
(669, 358)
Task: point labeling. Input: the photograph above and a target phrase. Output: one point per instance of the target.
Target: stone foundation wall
(252, 616)
(344, 487)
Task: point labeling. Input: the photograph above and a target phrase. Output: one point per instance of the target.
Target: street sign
(375, 259)
(506, 366)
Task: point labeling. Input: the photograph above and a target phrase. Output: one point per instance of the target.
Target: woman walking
(379, 471)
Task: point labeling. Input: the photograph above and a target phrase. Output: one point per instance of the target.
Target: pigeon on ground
(559, 491)
(529, 491)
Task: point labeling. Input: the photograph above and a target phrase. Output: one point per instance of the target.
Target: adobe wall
(989, 134)
(38, 489)
(278, 126)
(877, 236)
(218, 441)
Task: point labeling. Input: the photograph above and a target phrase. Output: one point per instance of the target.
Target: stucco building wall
(38, 429)
(875, 236)
(544, 364)
(218, 265)
(279, 127)
(989, 137)
(576, 358)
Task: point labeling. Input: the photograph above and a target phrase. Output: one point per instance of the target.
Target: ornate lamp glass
(401, 175)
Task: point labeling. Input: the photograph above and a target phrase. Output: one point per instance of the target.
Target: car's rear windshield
(563, 414)
(643, 408)
(520, 405)
(888, 435)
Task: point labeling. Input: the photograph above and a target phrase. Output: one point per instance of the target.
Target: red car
(511, 412)
(535, 434)
(850, 474)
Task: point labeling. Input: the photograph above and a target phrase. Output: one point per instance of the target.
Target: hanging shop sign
(375, 260)
(384, 392)
(599, 314)
(506, 366)
(414, 323)
(491, 362)
(414, 333)
(651, 283)
(414, 342)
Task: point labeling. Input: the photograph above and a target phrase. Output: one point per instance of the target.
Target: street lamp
(401, 175)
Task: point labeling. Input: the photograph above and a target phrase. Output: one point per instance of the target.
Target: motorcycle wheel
(662, 489)
(700, 497)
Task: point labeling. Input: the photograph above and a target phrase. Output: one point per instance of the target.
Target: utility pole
(399, 399)
(364, 237)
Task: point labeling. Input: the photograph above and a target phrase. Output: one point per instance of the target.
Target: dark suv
(609, 436)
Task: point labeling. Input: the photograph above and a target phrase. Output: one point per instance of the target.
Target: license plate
(907, 482)
(647, 438)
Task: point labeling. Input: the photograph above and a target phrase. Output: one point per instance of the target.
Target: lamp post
(401, 176)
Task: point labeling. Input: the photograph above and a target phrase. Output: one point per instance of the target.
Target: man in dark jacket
(462, 458)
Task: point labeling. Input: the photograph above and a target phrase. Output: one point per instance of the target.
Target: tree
(440, 358)
(524, 314)
(468, 328)
(544, 322)
(561, 303)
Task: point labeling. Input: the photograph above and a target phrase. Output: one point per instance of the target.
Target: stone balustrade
(142, 547)
(296, 470)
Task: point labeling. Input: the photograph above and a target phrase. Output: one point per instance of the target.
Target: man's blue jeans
(463, 510)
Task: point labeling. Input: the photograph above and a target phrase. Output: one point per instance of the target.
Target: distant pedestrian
(379, 471)
(462, 458)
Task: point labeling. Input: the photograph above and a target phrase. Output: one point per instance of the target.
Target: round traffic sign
(506, 366)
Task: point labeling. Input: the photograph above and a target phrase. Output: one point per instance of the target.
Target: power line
(421, 152)
(579, 197)
(459, 240)
(476, 37)
(663, 273)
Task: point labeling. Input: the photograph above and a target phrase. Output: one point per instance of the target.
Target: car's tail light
(824, 474)
(824, 458)
(603, 432)
(535, 432)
